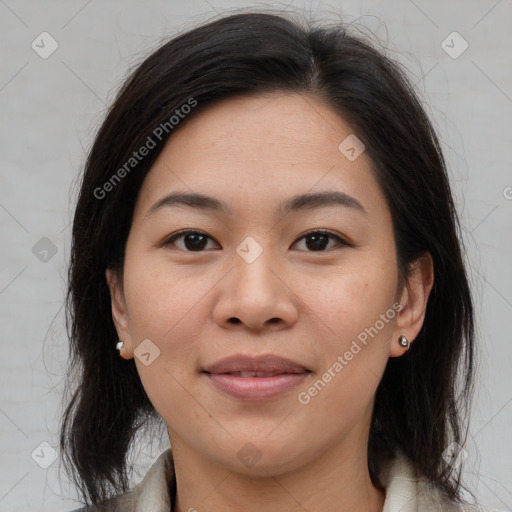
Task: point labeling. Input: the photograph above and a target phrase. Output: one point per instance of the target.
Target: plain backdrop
(51, 106)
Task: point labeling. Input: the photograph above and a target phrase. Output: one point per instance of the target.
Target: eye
(197, 241)
(319, 239)
(193, 241)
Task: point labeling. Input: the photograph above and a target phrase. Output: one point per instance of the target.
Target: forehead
(273, 125)
(259, 149)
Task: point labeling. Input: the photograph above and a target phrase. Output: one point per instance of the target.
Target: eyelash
(170, 240)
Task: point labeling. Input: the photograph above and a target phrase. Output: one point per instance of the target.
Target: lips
(255, 378)
(247, 366)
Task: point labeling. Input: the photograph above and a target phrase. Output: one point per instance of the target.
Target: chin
(259, 457)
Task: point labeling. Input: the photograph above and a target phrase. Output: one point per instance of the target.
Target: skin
(254, 152)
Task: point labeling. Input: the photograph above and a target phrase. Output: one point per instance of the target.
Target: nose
(256, 296)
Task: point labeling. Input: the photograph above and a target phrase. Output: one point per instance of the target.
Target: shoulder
(153, 494)
(406, 492)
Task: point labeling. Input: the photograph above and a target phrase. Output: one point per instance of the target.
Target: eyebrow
(296, 203)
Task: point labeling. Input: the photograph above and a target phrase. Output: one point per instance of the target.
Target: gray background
(51, 108)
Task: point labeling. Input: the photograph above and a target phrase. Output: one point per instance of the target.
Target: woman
(266, 233)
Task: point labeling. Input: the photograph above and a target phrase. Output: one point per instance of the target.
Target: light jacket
(404, 492)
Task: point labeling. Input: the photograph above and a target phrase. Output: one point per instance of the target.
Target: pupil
(319, 242)
(197, 243)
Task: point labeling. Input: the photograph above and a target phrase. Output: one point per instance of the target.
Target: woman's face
(253, 281)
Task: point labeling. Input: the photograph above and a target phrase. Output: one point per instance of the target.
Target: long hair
(421, 398)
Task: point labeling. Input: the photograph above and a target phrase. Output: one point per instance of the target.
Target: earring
(120, 347)
(404, 342)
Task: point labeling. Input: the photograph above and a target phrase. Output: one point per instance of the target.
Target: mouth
(255, 378)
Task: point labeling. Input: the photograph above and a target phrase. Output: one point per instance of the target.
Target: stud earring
(120, 347)
(404, 342)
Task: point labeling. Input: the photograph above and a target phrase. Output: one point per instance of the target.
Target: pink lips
(256, 378)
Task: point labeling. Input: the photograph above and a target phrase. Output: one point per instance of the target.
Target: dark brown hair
(421, 399)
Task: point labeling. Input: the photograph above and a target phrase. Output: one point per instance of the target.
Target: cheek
(356, 315)
(356, 318)
(353, 299)
(163, 308)
(159, 297)
(168, 305)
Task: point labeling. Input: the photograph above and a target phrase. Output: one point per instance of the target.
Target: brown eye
(318, 241)
(192, 241)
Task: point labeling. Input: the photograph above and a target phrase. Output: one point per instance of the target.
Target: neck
(336, 481)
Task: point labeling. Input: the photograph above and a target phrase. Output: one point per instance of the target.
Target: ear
(119, 311)
(413, 302)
